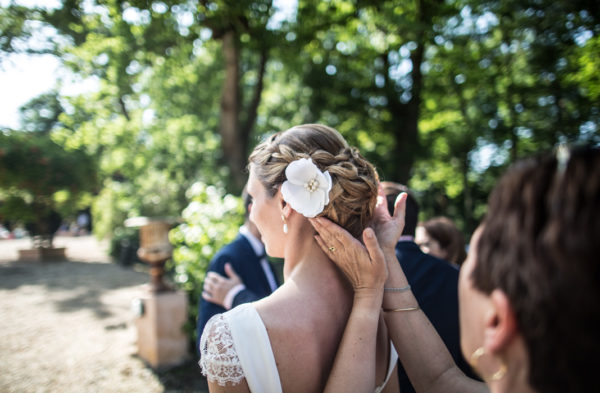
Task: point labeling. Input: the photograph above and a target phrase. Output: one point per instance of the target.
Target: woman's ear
(500, 323)
(285, 207)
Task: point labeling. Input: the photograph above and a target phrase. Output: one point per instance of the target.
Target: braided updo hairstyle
(353, 194)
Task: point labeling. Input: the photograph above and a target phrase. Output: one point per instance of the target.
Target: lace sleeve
(218, 358)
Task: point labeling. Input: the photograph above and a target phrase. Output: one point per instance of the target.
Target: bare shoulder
(303, 349)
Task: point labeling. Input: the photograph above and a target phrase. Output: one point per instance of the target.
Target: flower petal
(292, 193)
(306, 188)
(326, 187)
(315, 203)
(301, 171)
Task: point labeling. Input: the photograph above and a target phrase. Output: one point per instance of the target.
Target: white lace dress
(235, 345)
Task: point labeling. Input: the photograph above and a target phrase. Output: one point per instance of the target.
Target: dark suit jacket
(434, 283)
(240, 254)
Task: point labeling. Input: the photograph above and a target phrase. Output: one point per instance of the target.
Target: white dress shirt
(259, 249)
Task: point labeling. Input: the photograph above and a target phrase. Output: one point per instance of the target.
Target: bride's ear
(285, 207)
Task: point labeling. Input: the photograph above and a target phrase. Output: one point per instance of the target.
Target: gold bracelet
(401, 289)
(402, 309)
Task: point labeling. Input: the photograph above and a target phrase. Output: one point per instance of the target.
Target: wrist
(398, 299)
(368, 299)
(231, 294)
(368, 292)
(389, 251)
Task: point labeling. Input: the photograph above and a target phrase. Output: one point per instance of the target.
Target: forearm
(425, 358)
(354, 366)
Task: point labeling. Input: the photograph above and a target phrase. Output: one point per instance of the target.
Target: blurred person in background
(440, 237)
(239, 273)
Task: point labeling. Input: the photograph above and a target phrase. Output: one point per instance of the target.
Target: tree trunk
(252, 110)
(234, 135)
(407, 127)
(233, 148)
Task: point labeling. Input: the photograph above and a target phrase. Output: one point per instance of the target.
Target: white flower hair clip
(306, 188)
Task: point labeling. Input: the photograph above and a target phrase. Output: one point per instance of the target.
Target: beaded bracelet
(401, 289)
(402, 309)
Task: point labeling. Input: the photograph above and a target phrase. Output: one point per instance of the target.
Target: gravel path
(67, 326)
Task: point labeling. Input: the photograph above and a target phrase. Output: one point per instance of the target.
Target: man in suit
(238, 273)
(433, 281)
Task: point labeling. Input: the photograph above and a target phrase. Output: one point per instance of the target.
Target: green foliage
(441, 95)
(41, 113)
(499, 86)
(38, 176)
(211, 220)
(587, 59)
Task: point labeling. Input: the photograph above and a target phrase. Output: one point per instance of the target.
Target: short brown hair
(354, 191)
(540, 245)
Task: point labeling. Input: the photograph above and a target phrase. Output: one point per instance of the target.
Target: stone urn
(155, 248)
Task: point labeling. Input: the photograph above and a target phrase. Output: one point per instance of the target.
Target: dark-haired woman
(528, 290)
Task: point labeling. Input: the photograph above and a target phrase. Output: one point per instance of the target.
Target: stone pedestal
(161, 340)
(42, 254)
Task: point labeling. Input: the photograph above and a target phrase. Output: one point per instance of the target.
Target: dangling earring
(285, 227)
(474, 360)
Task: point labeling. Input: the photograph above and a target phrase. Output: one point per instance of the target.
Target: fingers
(211, 281)
(207, 287)
(323, 226)
(322, 244)
(330, 234)
(372, 245)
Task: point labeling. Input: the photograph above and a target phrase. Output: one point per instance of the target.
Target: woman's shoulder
(235, 347)
(218, 358)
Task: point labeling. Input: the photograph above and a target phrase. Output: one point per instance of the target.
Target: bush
(211, 220)
(39, 179)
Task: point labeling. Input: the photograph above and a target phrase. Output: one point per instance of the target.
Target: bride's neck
(315, 292)
(307, 265)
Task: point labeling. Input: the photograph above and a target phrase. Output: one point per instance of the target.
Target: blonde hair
(354, 192)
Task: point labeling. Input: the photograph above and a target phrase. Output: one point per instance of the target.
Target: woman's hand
(364, 266)
(389, 228)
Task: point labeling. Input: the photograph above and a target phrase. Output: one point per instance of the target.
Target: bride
(287, 341)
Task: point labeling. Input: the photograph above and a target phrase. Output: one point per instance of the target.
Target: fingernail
(369, 233)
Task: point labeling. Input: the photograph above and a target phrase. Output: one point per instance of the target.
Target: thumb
(400, 206)
(230, 271)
